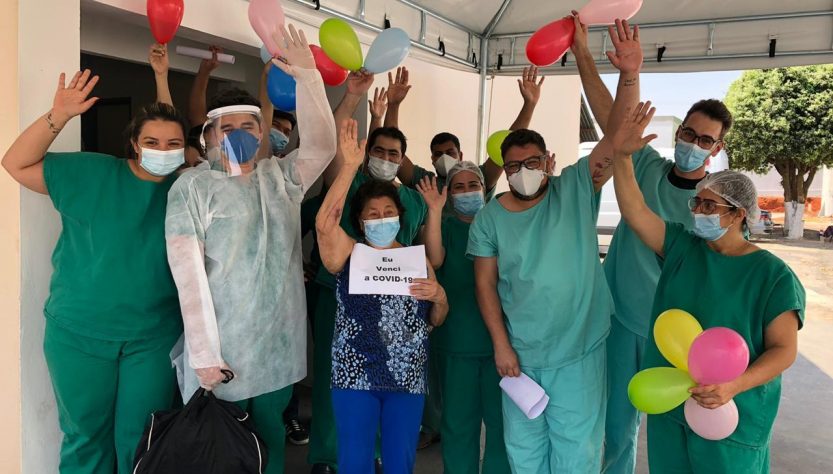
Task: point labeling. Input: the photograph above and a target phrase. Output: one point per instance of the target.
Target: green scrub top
(463, 332)
(448, 210)
(744, 293)
(111, 278)
(631, 268)
(551, 285)
(415, 212)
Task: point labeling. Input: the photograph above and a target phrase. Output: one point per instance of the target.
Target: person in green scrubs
(112, 315)
(715, 274)
(384, 151)
(468, 376)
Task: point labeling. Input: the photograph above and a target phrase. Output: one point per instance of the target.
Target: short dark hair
(445, 137)
(280, 114)
(151, 112)
(233, 96)
(390, 132)
(715, 110)
(521, 138)
(371, 190)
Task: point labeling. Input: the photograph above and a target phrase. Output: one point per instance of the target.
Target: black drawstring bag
(207, 436)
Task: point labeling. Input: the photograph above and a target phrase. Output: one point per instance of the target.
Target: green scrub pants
(267, 417)
(432, 413)
(472, 396)
(674, 449)
(568, 436)
(322, 441)
(106, 391)
(624, 355)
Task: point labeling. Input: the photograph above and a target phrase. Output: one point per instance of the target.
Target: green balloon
(340, 43)
(659, 389)
(493, 145)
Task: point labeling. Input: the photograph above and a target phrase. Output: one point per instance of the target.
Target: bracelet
(52, 126)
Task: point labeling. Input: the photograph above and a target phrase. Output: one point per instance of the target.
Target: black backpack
(207, 436)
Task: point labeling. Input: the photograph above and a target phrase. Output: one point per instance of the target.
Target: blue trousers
(360, 413)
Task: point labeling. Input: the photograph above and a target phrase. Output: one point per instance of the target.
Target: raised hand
(348, 145)
(208, 65)
(580, 37)
(398, 88)
(628, 55)
(530, 85)
(358, 83)
(435, 198)
(379, 104)
(158, 58)
(72, 100)
(628, 139)
(295, 52)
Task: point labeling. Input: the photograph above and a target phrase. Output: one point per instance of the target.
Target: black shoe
(379, 466)
(296, 434)
(322, 469)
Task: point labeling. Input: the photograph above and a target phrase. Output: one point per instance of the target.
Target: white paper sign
(386, 272)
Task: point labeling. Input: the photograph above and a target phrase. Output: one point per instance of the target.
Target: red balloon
(332, 73)
(164, 17)
(550, 42)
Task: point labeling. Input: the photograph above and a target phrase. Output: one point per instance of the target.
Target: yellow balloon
(674, 332)
(493, 145)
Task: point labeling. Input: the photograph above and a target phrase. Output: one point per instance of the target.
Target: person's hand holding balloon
(714, 396)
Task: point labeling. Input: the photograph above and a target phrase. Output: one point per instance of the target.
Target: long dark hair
(150, 112)
(371, 190)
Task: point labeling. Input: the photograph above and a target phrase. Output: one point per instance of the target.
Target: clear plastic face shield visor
(231, 137)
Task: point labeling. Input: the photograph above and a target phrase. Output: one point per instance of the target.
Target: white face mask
(444, 163)
(527, 182)
(382, 170)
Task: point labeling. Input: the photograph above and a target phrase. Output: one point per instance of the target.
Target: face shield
(231, 137)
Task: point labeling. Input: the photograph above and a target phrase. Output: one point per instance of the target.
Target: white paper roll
(204, 54)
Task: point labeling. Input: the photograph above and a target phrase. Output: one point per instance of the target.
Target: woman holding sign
(724, 280)
(380, 345)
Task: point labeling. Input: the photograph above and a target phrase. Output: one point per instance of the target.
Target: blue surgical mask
(468, 204)
(162, 162)
(689, 156)
(240, 146)
(381, 232)
(707, 226)
(278, 141)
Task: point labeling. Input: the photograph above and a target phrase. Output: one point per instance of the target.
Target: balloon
(674, 332)
(266, 17)
(718, 355)
(164, 17)
(713, 425)
(605, 12)
(494, 143)
(341, 44)
(659, 389)
(550, 42)
(265, 55)
(332, 73)
(281, 89)
(388, 50)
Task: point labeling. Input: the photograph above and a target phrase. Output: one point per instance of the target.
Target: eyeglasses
(703, 141)
(531, 163)
(706, 205)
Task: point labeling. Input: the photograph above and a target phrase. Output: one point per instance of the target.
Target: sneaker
(378, 464)
(296, 434)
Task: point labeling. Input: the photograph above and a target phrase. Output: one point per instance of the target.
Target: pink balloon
(718, 355)
(713, 425)
(266, 16)
(605, 12)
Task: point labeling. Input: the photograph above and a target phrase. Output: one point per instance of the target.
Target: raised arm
(377, 107)
(397, 91)
(485, 279)
(626, 141)
(358, 84)
(598, 96)
(24, 159)
(267, 111)
(158, 59)
(315, 121)
(197, 108)
(334, 244)
(432, 234)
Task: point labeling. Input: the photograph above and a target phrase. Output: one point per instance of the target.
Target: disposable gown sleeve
(185, 239)
(316, 127)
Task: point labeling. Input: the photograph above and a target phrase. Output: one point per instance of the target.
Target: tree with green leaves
(783, 118)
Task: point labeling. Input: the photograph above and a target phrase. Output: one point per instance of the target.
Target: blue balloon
(281, 89)
(264, 54)
(388, 50)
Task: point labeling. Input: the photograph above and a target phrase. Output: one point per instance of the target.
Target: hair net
(736, 188)
(464, 166)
